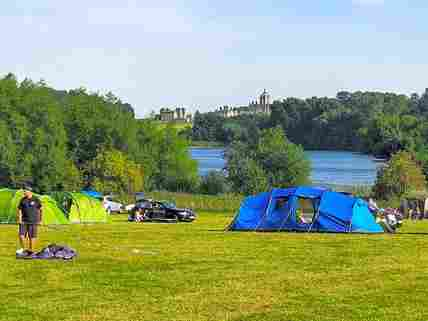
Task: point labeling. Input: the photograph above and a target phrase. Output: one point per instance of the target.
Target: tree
(273, 162)
(112, 172)
(245, 175)
(400, 175)
(284, 162)
(51, 138)
(214, 183)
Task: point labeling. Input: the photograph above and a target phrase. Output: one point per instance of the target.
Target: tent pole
(288, 216)
(350, 222)
(317, 214)
(314, 219)
(227, 228)
(266, 211)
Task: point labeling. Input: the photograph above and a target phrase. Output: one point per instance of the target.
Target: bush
(401, 175)
(269, 161)
(214, 183)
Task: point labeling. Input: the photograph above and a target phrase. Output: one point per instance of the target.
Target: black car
(160, 211)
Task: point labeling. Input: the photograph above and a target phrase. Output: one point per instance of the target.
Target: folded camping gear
(52, 251)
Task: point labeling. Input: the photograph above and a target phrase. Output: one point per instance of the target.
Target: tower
(264, 103)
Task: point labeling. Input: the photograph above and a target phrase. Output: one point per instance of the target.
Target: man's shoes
(22, 254)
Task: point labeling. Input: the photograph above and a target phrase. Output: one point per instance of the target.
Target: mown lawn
(128, 271)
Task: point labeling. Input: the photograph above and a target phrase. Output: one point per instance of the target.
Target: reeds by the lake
(222, 203)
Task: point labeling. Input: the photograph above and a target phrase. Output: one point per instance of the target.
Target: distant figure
(413, 209)
(29, 216)
(300, 218)
(373, 206)
(404, 208)
(426, 208)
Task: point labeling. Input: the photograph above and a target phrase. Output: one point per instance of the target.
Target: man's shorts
(28, 229)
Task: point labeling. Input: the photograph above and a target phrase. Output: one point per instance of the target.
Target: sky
(202, 54)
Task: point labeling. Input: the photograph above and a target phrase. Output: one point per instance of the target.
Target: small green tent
(9, 200)
(81, 208)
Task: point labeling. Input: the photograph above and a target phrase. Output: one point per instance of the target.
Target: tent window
(281, 203)
(306, 210)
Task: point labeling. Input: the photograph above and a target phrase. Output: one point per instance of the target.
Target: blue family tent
(305, 209)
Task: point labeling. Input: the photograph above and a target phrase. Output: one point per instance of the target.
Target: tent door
(307, 210)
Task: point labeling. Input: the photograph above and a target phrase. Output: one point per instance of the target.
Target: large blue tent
(305, 209)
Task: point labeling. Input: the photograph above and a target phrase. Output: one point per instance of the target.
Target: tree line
(386, 125)
(372, 122)
(69, 140)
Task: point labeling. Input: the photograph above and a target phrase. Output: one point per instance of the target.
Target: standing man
(29, 216)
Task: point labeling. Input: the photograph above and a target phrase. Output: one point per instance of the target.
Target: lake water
(328, 167)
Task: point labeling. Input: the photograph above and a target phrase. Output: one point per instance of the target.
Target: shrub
(214, 183)
(400, 176)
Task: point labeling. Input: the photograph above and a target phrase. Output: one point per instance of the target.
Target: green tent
(81, 208)
(9, 200)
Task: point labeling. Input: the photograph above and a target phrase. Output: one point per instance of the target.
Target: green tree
(273, 162)
(112, 172)
(214, 183)
(400, 175)
(284, 162)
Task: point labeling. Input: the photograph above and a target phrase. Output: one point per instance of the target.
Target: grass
(148, 271)
(223, 203)
(176, 124)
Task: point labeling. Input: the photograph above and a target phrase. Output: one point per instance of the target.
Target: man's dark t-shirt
(30, 208)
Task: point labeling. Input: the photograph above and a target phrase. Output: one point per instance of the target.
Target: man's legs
(32, 242)
(32, 236)
(22, 233)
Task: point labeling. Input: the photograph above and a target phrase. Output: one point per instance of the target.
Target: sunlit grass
(149, 271)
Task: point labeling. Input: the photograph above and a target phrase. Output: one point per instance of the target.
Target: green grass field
(149, 271)
(176, 125)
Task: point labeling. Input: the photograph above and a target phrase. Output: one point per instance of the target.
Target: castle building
(177, 115)
(260, 106)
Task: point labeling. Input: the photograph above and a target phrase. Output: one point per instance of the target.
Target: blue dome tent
(304, 209)
(92, 193)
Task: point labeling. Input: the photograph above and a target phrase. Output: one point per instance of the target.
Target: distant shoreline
(206, 144)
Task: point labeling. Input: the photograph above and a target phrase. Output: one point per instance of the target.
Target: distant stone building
(260, 106)
(174, 115)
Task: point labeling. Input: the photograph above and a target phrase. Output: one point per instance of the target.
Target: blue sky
(202, 54)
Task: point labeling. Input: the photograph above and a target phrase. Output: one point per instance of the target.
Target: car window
(168, 205)
(159, 205)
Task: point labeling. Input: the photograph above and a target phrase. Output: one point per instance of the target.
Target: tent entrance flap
(306, 209)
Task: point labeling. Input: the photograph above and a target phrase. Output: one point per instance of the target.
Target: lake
(328, 167)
